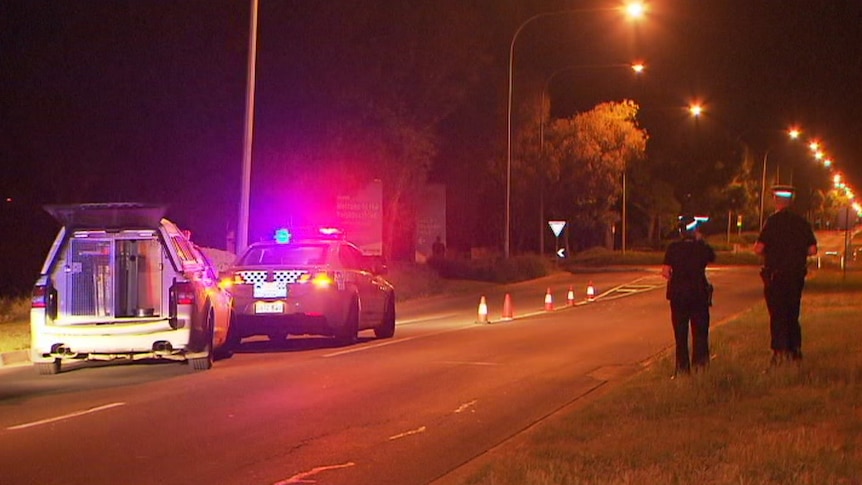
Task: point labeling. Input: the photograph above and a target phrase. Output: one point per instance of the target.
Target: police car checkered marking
(288, 276)
(281, 276)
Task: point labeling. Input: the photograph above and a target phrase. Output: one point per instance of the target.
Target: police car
(317, 285)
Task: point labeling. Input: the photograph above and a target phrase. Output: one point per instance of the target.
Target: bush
(496, 270)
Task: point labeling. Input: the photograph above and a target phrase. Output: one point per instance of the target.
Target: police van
(122, 282)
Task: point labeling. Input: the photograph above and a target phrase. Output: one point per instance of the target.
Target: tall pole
(763, 187)
(623, 235)
(508, 230)
(245, 191)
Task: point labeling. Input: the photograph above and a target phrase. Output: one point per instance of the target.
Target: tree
(590, 152)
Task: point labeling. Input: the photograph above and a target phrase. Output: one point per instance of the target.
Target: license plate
(270, 289)
(269, 307)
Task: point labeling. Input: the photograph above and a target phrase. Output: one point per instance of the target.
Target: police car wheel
(386, 329)
(347, 334)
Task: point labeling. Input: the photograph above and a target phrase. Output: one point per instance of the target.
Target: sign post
(557, 228)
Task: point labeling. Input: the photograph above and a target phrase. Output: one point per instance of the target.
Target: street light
(633, 10)
(637, 68)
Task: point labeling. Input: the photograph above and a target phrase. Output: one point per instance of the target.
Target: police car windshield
(286, 254)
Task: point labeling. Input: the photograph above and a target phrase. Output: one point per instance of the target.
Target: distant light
(818, 154)
(282, 236)
(695, 110)
(784, 194)
(794, 133)
(635, 10)
(638, 67)
(330, 231)
(8, 199)
(827, 163)
(814, 146)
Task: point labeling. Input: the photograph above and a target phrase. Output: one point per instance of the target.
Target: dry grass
(733, 424)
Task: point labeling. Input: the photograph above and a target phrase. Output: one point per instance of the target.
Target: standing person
(689, 293)
(438, 249)
(785, 242)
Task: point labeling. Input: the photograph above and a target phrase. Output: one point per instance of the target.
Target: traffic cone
(591, 292)
(570, 296)
(483, 311)
(549, 301)
(508, 312)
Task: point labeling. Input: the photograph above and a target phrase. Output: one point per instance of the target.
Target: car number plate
(270, 289)
(269, 307)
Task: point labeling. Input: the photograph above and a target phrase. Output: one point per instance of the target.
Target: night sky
(105, 100)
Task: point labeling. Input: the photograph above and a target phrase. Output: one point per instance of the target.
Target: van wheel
(347, 334)
(206, 362)
(386, 329)
(48, 368)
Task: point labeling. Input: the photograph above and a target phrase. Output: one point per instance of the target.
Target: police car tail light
(319, 280)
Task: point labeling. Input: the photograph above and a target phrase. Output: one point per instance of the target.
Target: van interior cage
(114, 278)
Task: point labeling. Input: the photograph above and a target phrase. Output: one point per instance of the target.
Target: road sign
(557, 227)
(561, 253)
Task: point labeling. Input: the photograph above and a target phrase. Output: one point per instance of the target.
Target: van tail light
(45, 296)
(39, 298)
(183, 293)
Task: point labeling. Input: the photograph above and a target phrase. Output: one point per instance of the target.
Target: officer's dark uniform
(786, 238)
(689, 294)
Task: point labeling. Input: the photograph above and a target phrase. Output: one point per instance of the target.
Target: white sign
(557, 227)
(561, 253)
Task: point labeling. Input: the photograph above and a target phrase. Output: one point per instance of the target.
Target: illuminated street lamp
(633, 10)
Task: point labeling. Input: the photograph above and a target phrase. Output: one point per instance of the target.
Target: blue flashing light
(282, 236)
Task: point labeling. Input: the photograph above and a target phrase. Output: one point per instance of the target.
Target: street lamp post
(634, 10)
(245, 191)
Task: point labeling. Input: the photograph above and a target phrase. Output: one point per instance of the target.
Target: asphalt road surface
(409, 410)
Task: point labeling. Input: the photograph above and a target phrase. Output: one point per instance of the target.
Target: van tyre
(48, 368)
(206, 362)
(347, 334)
(386, 329)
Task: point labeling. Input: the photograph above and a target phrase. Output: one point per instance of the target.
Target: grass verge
(735, 423)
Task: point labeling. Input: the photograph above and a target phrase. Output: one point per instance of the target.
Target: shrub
(496, 270)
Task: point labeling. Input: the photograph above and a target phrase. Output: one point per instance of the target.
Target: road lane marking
(418, 430)
(465, 406)
(368, 347)
(66, 416)
(301, 477)
(459, 362)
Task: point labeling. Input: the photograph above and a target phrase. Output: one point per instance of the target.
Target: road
(409, 410)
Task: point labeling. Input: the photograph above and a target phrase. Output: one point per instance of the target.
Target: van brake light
(184, 294)
(39, 298)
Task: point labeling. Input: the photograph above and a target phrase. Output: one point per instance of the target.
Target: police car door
(370, 297)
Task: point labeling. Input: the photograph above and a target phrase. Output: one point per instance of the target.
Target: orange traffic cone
(570, 296)
(591, 292)
(508, 312)
(549, 301)
(483, 311)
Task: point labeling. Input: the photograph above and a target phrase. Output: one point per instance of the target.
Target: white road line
(301, 477)
(460, 362)
(465, 406)
(67, 416)
(418, 430)
(368, 347)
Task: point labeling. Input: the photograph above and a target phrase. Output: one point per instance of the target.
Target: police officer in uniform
(785, 242)
(689, 293)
